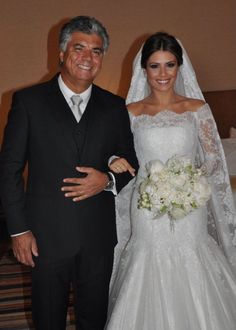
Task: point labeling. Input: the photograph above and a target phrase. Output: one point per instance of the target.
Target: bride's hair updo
(161, 41)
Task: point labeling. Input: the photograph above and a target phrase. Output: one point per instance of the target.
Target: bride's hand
(120, 165)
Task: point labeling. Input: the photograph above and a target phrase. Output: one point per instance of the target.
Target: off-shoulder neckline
(201, 108)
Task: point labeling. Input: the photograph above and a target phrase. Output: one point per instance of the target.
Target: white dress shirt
(67, 93)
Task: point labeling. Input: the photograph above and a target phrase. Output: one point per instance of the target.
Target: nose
(162, 71)
(87, 54)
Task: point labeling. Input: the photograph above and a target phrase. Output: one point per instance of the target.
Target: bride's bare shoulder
(135, 108)
(193, 104)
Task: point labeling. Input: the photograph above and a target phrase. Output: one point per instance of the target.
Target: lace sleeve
(209, 141)
(221, 206)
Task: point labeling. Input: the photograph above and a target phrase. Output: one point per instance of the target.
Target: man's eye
(78, 48)
(97, 51)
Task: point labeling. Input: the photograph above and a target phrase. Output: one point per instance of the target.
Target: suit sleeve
(13, 159)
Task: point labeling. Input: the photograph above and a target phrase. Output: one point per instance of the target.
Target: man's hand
(92, 184)
(24, 246)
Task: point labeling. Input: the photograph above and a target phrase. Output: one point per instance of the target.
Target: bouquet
(175, 188)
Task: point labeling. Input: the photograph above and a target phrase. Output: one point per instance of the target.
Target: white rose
(178, 180)
(154, 166)
(154, 177)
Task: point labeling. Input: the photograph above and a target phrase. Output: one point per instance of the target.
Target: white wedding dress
(171, 279)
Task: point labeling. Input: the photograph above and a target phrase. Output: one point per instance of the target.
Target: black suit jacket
(43, 133)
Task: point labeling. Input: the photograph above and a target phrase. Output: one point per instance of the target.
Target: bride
(180, 278)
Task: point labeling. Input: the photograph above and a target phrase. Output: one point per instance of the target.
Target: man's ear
(61, 58)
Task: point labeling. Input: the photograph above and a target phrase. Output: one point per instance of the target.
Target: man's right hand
(24, 246)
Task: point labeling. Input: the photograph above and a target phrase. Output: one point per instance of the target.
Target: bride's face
(162, 69)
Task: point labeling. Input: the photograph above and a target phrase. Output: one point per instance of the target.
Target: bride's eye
(171, 64)
(153, 65)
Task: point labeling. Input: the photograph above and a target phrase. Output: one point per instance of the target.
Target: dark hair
(85, 24)
(161, 41)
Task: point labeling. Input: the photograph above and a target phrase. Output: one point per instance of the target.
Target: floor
(15, 293)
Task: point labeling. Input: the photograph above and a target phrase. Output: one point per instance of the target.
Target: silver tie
(77, 100)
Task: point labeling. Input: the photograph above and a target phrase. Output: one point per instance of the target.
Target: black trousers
(89, 272)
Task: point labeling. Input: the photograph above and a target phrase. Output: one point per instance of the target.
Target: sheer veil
(186, 82)
(221, 209)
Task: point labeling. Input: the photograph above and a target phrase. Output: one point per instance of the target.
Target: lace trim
(164, 118)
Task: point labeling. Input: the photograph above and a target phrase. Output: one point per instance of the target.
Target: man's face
(82, 60)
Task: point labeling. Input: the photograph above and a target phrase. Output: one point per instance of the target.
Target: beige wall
(29, 30)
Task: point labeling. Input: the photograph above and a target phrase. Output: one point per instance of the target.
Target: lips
(163, 82)
(84, 67)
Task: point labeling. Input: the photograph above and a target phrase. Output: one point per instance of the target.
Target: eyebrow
(78, 44)
(171, 61)
(83, 46)
(98, 48)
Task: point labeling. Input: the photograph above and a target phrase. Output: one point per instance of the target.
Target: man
(66, 242)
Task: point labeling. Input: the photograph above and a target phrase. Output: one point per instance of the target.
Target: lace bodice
(164, 135)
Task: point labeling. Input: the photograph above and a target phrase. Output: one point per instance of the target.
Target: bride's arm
(222, 216)
(120, 165)
(209, 141)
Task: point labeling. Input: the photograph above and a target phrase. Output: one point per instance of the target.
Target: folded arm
(95, 180)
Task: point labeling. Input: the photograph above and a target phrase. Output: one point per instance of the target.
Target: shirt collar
(67, 92)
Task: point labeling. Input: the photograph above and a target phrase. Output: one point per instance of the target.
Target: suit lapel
(63, 116)
(58, 105)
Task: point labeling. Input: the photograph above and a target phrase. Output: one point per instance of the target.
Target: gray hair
(85, 24)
